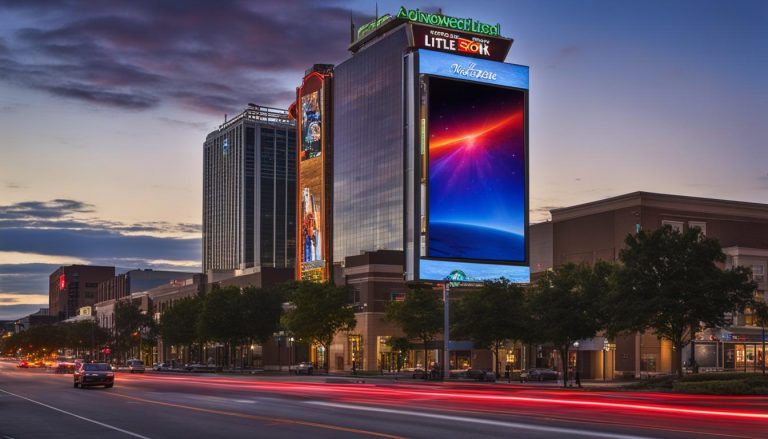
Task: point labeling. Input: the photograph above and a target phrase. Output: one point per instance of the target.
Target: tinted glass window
(96, 366)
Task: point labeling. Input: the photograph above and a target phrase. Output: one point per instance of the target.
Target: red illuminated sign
(463, 43)
(62, 282)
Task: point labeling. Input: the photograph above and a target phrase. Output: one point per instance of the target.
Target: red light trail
(419, 392)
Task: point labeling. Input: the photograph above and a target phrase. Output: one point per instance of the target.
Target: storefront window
(648, 363)
(740, 363)
(355, 348)
(750, 356)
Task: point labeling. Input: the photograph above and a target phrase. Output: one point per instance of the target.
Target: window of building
(700, 224)
(676, 225)
(758, 273)
(397, 296)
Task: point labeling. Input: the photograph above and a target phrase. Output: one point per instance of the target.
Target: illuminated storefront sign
(463, 24)
(461, 67)
(460, 43)
(474, 201)
(372, 25)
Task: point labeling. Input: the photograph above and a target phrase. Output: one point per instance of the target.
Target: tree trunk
(497, 364)
(677, 363)
(564, 362)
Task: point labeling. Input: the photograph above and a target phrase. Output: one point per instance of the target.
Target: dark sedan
(94, 374)
(539, 374)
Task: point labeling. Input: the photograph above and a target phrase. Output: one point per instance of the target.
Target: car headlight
(110, 374)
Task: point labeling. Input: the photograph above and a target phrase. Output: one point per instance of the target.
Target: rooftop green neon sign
(462, 24)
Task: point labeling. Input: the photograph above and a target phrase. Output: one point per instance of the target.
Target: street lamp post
(576, 364)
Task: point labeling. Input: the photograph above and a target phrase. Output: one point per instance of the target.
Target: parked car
(65, 367)
(198, 367)
(479, 375)
(23, 364)
(539, 374)
(302, 368)
(135, 366)
(94, 374)
(161, 367)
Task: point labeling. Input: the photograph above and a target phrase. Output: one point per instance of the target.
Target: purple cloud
(207, 56)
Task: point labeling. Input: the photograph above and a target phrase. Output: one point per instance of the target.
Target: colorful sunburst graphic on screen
(477, 178)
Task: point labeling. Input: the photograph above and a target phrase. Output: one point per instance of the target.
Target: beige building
(597, 230)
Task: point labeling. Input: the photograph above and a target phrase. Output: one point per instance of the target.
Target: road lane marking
(505, 424)
(111, 427)
(268, 419)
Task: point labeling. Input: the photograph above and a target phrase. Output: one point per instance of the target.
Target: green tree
(401, 346)
(83, 336)
(319, 311)
(671, 282)
(491, 316)
(223, 318)
(263, 308)
(567, 304)
(179, 323)
(419, 315)
(130, 322)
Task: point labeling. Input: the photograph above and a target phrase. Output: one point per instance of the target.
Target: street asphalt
(36, 403)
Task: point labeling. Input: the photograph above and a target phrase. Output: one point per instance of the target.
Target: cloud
(68, 215)
(23, 299)
(148, 52)
(36, 237)
(13, 312)
(90, 244)
(58, 208)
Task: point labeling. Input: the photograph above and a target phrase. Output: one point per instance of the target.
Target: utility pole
(446, 328)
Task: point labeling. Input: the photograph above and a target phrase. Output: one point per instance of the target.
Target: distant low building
(74, 286)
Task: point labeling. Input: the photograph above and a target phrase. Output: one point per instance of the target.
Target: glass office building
(368, 148)
(249, 192)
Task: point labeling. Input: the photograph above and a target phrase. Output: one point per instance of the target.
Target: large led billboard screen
(476, 172)
(311, 245)
(474, 169)
(311, 125)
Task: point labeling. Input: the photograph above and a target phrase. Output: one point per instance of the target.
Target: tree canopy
(672, 282)
(491, 316)
(318, 311)
(178, 325)
(568, 304)
(419, 315)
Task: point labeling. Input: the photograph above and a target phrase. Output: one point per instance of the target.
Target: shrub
(721, 376)
(724, 387)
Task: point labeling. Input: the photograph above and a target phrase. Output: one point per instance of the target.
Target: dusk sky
(104, 106)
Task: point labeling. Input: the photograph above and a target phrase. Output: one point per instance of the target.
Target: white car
(135, 366)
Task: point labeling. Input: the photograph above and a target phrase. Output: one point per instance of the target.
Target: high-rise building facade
(368, 159)
(430, 149)
(249, 192)
(74, 286)
(429, 167)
